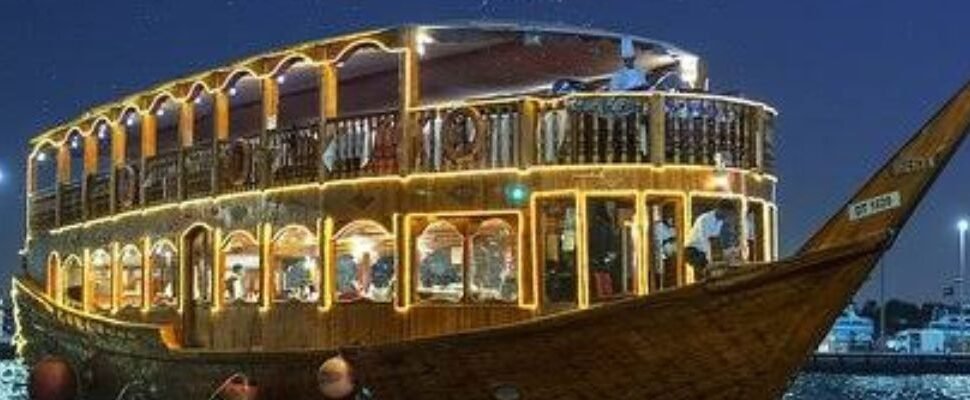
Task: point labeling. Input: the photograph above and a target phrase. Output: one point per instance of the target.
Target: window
(714, 238)
(441, 258)
(296, 265)
(556, 245)
(131, 277)
(241, 277)
(164, 279)
(198, 242)
(101, 276)
(365, 264)
(612, 256)
(73, 283)
(493, 269)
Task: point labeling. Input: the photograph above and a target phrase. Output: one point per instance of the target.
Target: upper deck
(392, 102)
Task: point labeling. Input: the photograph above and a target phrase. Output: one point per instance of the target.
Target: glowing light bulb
(41, 157)
(102, 132)
(130, 121)
(198, 100)
(160, 112)
(233, 91)
(281, 79)
(962, 225)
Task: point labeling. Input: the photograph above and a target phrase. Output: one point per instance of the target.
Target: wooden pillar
(327, 283)
(758, 126)
(409, 96)
(582, 253)
(400, 246)
(265, 238)
(118, 146)
(328, 109)
(528, 122)
(146, 274)
(271, 101)
(115, 277)
(220, 132)
(218, 270)
(86, 287)
(186, 123)
(657, 129)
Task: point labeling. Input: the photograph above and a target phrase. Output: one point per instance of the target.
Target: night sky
(851, 79)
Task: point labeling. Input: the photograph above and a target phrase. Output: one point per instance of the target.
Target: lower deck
(340, 266)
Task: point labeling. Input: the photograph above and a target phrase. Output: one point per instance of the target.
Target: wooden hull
(743, 335)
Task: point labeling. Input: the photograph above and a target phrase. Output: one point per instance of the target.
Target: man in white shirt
(665, 247)
(706, 227)
(628, 77)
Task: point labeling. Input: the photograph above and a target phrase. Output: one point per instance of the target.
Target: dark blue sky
(851, 79)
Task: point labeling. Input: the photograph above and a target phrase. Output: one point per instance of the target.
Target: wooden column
(409, 96)
(657, 129)
(146, 275)
(758, 126)
(401, 301)
(218, 270)
(328, 109)
(265, 238)
(115, 277)
(220, 132)
(86, 286)
(148, 146)
(528, 121)
(271, 102)
(185, 127)
(119, 143)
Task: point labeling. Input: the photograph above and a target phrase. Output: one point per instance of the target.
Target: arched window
(101, 278)
(72, 283)
(131, 277)
(75, 148)
(102, 131)
(245, 107)
(364, 254)
(44, 174)
(296, 265)
(203, 103)
(197, 243)
(441, 258)
(168, 114)
(492, 271)
(131, 123)
(240, 252)
(164, 280)
(299, 93)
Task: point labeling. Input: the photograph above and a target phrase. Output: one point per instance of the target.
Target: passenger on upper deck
(669, 77)
(628, 77)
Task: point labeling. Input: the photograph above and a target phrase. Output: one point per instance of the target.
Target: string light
(281, 79)
(233, 91)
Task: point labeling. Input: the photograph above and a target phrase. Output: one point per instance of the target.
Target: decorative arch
(71, 284)
(197, 264)
(130, 261)
(360, 44)
(493, 266)
(164, 284)
(290, 60)
(42, 167)
(104, 137)
(74, 144)
(101, 279)
(295, 265)
(440, 249)
(365, 262)
(241, 273)
(235, 75)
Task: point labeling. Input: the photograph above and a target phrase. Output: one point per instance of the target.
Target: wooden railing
(99, 195)
(585, 128)
(72, 204)
(160, 180)
(197, 171)
(43, 209)
(294, 154)
(474, 136)
(238, 164)
(361, 145)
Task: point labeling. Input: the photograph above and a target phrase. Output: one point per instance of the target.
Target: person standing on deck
(707, 226)
(665, 245)
(628, 77)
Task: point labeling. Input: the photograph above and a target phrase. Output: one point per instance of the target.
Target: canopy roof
(458, 61)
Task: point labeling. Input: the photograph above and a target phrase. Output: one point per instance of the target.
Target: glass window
(664, 216)
(714, 238)
(101, 277)
(296, 265)
(73, 283)
(241, 263)
(557, 247)
(199, 260)
(131, 277)
(492, 272)
(612, 257)
(365, 263)
(164, 281)
(441, 258)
